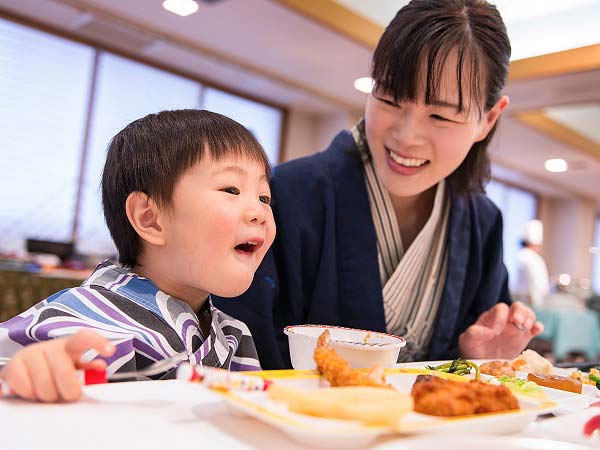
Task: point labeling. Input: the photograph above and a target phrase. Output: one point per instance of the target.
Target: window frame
(98, 48)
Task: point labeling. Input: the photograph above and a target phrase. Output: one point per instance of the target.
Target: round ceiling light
(556, 165)
(364, 84)
(181, 7)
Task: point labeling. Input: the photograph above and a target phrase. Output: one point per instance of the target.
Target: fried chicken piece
(337, 370)
(439, 397)
(497, 368)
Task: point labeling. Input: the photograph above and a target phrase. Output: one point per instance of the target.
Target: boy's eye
(265, 199)
(440, 118)
(231, 190)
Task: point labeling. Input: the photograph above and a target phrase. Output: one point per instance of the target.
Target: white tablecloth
(161, 415)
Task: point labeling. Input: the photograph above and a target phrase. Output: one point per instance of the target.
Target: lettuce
(520, 385)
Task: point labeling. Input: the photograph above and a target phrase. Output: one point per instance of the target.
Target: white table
(148, 415)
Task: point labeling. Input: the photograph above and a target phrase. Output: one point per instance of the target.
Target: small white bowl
(360, 348)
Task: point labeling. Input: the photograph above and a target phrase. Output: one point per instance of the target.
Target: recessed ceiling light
(181, 7)
(364, 84)
(556, 165)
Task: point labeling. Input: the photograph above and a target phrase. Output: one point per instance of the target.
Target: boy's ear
(491, 117)
(144, 216)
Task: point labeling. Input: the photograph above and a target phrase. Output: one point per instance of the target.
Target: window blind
(44, 87)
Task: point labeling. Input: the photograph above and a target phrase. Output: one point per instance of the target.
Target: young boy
(187, 202)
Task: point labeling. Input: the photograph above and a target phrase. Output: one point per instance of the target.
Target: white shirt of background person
(532, 284)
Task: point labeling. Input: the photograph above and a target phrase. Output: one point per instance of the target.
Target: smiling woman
(388, 229)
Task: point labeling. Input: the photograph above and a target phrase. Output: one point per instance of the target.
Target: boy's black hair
(423, 34)
(150, 155)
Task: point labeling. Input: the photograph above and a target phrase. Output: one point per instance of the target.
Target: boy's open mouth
(249, 246)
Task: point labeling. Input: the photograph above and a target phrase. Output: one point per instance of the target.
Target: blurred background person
(532, 283)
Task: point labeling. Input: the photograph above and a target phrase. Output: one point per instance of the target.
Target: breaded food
(337, 370)
(532, 361)
(497, 368)
(556, 382)
(369, 405)
(439, 397)
(587, 378)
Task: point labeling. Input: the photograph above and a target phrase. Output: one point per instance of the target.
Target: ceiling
(536, 27)
(285, 53)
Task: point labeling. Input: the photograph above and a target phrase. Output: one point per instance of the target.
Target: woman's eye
(386, 101)
(265, 199)
(440, 118)
(231, 190)
(389, 102)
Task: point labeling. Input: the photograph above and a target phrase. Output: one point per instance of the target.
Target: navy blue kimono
(323, 266)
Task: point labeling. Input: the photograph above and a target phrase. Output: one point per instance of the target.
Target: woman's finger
(494, 318)
(522, 316)
(537, 329)
(476, 334)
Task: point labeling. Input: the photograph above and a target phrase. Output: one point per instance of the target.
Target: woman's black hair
(421, 37)
(150, 155)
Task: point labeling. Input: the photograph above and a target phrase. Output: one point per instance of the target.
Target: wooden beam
(580, 59)
(533, 176)
(362, 30)
(338, 18)
(562, 133)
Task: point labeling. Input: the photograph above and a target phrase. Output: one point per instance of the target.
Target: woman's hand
(47, 371)
(502, 332)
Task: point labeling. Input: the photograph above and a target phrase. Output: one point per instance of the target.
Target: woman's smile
(405, 165)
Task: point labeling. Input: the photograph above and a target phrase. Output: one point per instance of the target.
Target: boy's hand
(47, 371)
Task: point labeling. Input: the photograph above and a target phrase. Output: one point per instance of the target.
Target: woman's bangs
(416, 75)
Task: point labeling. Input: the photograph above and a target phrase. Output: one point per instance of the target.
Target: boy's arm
(14, 332)
(61, 316)
(245, 356)
(47, 371)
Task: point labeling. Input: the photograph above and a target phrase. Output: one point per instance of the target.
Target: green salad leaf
(518, 384)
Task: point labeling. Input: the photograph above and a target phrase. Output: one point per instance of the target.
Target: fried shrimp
(337, 370)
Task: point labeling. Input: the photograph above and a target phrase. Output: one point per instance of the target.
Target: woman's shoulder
(484, 206)
(482, 211)
(340, 155)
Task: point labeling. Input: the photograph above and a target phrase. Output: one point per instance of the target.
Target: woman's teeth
(408, 162)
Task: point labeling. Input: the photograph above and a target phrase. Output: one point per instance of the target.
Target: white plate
(466, 442)
(345, 434)
(569, 428)
(567, 402)
(588, 389)
(308, 430)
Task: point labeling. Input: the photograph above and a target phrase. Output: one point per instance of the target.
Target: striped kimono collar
(144, 323)
(413, 278)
